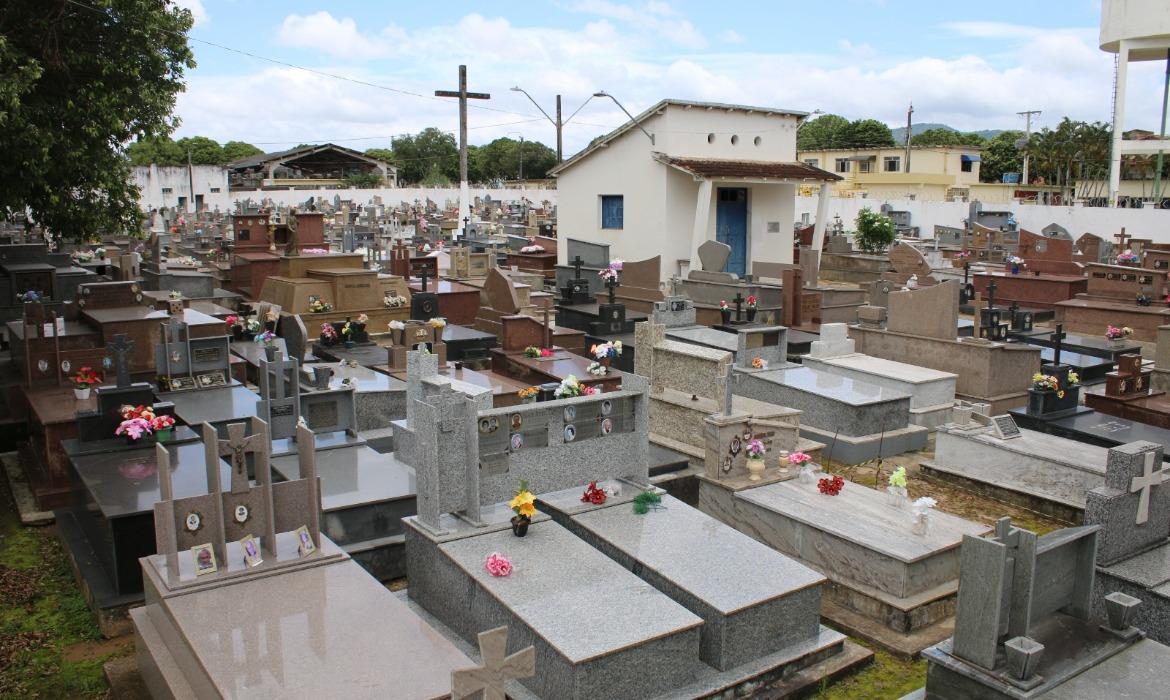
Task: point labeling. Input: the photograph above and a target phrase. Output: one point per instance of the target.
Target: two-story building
(934, 173)
(682, 173)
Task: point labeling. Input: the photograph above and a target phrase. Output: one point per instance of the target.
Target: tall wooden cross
(463, 96)
(1121, 239)
(1057, 337)
(121, 346)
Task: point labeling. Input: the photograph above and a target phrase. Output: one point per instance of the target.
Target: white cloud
(335, 37)
(730, 36)
(197, 11)
(655, 16)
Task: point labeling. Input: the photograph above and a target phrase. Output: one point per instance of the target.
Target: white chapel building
(687, 172)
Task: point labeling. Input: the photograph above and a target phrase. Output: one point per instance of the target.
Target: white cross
(1144, 483)
(496, 669)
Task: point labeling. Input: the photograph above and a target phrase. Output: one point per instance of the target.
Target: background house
(937, 173)
(326, 165)
(187, 188)
(685, 172)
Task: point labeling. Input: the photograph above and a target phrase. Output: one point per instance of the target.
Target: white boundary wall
(394, 196)
(1102, 221)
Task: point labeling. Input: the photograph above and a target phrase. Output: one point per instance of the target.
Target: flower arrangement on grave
(347, 383)
(1143, 299)
(267, 339)
(724, 311)
(396, 325)
(232, 321)
(606, 351)
(83, 256)
(647, 501)
(759, 363)
(571, 386)
(175, 294)
(1015, 262)
(755, 459)
(612, 271)
(534, 352)
(1046, 382)
(162, 426)
(523, 504)
(597, 369)
(251, 324)
(347, 333)
(723, 305)
(831, 486)
(83, 382)
(317, 305)
(897, 487)
(30, 295)
(751, 308)
(438, 323)
(804, 463)
(497, 564)
(393, 300)
(920, 518)
(136, 421)
(1073, 379)
(528, 394)
(1127, 258)
(534, 248)
(100, 253)
(961, 255)
(362, 320)
(593, 495)
(328, 334)
(315, 251)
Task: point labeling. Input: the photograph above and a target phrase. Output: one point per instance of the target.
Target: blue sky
(971, 65)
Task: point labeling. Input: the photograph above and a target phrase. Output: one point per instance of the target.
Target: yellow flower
(522, 499)
(527, 510)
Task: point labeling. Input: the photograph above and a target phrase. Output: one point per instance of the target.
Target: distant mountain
(900, 132)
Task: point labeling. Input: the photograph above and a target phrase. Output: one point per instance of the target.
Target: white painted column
(1118, 122)
(818, 240)
(702, 219)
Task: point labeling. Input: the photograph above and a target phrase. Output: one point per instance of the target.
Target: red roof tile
(777, 170)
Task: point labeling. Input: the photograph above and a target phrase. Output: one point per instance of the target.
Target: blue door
(731, 226)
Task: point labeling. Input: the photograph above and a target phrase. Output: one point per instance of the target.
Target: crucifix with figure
(236, 448)
(120, 348)
(611, 286)
(991, 295)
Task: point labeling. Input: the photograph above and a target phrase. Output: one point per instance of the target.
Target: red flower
(593, 494)
(831, 487)
(545, 352)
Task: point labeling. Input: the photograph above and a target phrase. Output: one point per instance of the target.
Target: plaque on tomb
(207, 354)
(281, 411)
(1005, 427)
(320, 415)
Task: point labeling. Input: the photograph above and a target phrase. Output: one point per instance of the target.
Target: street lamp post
(558, 123)
(602, 93)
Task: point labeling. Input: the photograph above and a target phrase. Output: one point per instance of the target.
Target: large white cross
(1144, 483)
(496, 669)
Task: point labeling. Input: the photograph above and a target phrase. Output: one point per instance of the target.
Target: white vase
(755, 469)
(807, 476)
(896, 495)
(920, 523)
(81, 394)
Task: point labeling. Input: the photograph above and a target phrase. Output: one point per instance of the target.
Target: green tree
(1072, 150)
(383, 154)
(202, 150)
(867, 133)
(875, 232)
(77, 81)
(426, 155)
(1000, 156)
(825, 132)
(157, 150)
(235, 150)
(501, 160)
(364, 180)
(946, 137)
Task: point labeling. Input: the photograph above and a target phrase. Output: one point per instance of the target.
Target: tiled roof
(776, 170)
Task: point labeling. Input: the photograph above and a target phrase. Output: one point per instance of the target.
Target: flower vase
(349, 343)
(402, 336)
(1015, 269)
(530, 399)
(755, 469)
(81, 394)
(164, 434)
(237, 333)
(604, 362)
(751, 314)
(270, 353)
(130, 440)
(896, 495)
(920, 525)
(520, 525)
(270, 326)
(806, 474)
(1116, 342)
(725, 314)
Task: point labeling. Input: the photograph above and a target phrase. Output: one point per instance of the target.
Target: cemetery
(683, 408)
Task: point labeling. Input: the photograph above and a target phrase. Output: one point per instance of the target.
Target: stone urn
(755, 469)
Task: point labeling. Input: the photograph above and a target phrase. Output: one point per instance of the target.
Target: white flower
(397, 325)
(923, 504)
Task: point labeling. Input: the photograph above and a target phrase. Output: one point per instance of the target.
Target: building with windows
(188, 188)
(308, 167)
(682, 173)
(934, 173)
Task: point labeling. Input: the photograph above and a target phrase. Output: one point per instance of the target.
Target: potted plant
(896, 490)
(234, 327)
(524, 505)
(83, 383)
(528, 394)
(163, 427)
(268, 340)
(328, 334)
(1116, 336)
(398, 330)
(347, 334)
(135, 423)
(605, 352)
(724, 312)
(755, 460)
(751, 308)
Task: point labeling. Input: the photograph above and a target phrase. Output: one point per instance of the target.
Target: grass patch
(43, 616)
(887, 678)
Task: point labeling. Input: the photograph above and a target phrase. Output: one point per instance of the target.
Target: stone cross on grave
(728, 386)
(1149, 478)
(966, 271)
(991, 295)
(423, 277)
(1121, 239)
(739, 300)
(1058, 337)
(121, 346)
(611, 286)
(577, 261)
(497, 668)
(547, 331)
(236, 448)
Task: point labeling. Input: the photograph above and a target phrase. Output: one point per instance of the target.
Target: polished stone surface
(323, 632)
(925, 386)
(126, 483)
(1097, 429)
(213, 405)
(354, 476)
(1126, 675)
(846, 390)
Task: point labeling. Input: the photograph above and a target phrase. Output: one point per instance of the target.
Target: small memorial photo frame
(251, 547)
(204, 557)
(305, 545)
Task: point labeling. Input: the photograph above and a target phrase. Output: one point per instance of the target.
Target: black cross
(738, 304)
(966, 271)
(121, 346)
(1013, 309)
(1057, 337)
(577, 266)
(611, 284)
(991, 295)
(423, 277)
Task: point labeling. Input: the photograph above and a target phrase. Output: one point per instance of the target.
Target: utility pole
(909, 114)
(1027, 115)
(463, 96)
(1162, 134)
(557, 123)
(521, 157)
(560, 125)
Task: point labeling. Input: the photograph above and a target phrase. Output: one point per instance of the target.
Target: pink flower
(136, 471)
(798, 458)
(134, 427)
(497, 564)
(587, 390)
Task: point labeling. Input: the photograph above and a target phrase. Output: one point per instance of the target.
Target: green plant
(875, 232)
(647, 501)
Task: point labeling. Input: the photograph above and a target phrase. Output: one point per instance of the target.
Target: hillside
(900, 132)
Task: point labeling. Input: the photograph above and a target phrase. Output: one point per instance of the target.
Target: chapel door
(731, 226)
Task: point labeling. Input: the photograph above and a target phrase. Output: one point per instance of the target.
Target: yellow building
(935, 173)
